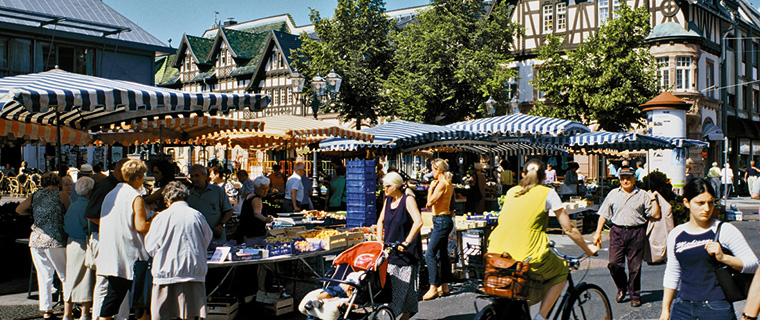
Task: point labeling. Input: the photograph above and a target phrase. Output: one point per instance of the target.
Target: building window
(282, 96)
(276, 97)
(290, 96)
(604, 10)
(663, 71)
(548, 18)
(561, 16)
(615, 8)
(683, 73)
(756, 100)
(710, 79)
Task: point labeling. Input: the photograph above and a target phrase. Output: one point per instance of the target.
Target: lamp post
(323, 90)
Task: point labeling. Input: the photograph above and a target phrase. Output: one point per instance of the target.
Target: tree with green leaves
(605, 79)
(449, 62)
(355, 43)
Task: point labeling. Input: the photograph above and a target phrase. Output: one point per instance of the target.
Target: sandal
(49, 315)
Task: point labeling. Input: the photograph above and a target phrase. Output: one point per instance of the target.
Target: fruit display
(279, 238)
(320, 234)
(303, 246)
(315, 214)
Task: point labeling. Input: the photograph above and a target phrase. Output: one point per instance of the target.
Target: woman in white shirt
(177, 241)
(123, 222)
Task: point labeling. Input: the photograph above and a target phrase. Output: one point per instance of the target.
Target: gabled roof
(165, 73)
(211, 74)
(244, 45)
(87, 17)
(286, 43)
(199, 47)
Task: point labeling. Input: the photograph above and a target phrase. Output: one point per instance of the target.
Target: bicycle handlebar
(566, 257)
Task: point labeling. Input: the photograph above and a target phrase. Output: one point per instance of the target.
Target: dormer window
(223, 58)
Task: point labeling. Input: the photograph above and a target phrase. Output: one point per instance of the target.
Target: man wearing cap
(629, 209)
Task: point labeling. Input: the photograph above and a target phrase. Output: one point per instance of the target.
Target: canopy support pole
(58, 141)
(314, 183)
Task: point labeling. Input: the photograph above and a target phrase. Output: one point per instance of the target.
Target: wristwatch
(745, 316)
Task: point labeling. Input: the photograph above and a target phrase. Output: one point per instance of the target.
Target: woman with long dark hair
(692, 255)
(521, 232)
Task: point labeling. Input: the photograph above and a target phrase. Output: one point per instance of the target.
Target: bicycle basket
(505, 277)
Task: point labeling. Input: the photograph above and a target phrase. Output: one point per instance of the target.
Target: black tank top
(396, 226)
(249, 225)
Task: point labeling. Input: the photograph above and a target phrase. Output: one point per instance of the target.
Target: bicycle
(581, 301)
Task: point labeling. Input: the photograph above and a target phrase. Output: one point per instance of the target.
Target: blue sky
(167, 19)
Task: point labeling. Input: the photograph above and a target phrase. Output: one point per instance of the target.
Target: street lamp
(323, 90)
(490, 103)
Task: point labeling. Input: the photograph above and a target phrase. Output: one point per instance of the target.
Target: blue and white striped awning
(519, 148)
(522, 124)
(684, 143)
(620, 141)
(401, 134)
(87, 101)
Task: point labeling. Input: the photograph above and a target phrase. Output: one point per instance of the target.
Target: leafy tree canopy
(355, 43)
(449, 62)
(605, 79)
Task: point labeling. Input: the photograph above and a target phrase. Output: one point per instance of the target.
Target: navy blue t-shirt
(698, 281)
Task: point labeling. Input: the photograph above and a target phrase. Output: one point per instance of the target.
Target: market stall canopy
(405, 134)
(175, 130)
(89, 102)
(12, 131)
(286, 131)
(684, 143)
(618, 141)
(522, 124)
(519, 148)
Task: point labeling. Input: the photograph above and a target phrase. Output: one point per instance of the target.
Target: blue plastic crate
(354, 170)
(360, 163)
(362, 196)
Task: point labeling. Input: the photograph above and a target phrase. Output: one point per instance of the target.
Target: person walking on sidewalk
(727, 179)
(714, 175)
(628, 208)
(692, 253)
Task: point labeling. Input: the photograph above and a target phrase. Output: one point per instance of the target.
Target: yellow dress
(521, 232)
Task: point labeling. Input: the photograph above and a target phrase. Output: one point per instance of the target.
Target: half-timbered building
(707, 53)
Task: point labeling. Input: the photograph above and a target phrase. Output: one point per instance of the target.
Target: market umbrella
(285, 131)
(174, 130)
(522, 124)
(82, 101)
(405, 134)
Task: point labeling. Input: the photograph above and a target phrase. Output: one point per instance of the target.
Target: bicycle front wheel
(589, 302)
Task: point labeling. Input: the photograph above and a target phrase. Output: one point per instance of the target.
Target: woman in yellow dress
(522, 233)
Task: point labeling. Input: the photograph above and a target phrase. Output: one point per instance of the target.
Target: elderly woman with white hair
(80, 280)
(255, 213)
(177, 241)
(400, 221)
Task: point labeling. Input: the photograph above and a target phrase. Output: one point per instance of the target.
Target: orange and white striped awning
(33, 132)
(285, 131)
(175, 130)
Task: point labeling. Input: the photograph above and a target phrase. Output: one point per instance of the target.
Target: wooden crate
(354, 238)
(222, 309)
(334, 242)
(294, 232)
(279, 307)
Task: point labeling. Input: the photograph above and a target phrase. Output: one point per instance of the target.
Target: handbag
(506, 277)
(735, 285)
(91, 250)
(142, 284)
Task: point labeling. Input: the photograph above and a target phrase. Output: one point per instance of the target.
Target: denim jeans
(437, 250)
(708, 310)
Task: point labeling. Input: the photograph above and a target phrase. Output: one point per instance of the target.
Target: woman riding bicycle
(521, 233)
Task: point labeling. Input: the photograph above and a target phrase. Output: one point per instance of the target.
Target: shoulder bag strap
(717, 231)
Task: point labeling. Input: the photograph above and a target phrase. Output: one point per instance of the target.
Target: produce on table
(320, 234)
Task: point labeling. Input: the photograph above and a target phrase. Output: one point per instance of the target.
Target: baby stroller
(361, 271)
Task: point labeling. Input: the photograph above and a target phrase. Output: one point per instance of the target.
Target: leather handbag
(506, 277)
(735, 285)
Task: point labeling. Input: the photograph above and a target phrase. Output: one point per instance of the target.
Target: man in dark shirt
(101, 189)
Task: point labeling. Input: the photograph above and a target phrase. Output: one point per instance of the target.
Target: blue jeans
(695, 310)
(437, 250)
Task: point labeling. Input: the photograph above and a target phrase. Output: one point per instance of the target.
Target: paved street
(462, 303)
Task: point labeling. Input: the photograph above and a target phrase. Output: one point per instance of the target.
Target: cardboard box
(223, 308)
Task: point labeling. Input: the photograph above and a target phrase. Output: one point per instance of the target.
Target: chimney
(230, 21)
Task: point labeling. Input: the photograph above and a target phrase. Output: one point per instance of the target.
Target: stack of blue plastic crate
(361, 182)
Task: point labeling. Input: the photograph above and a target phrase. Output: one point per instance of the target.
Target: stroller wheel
(382, 313)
